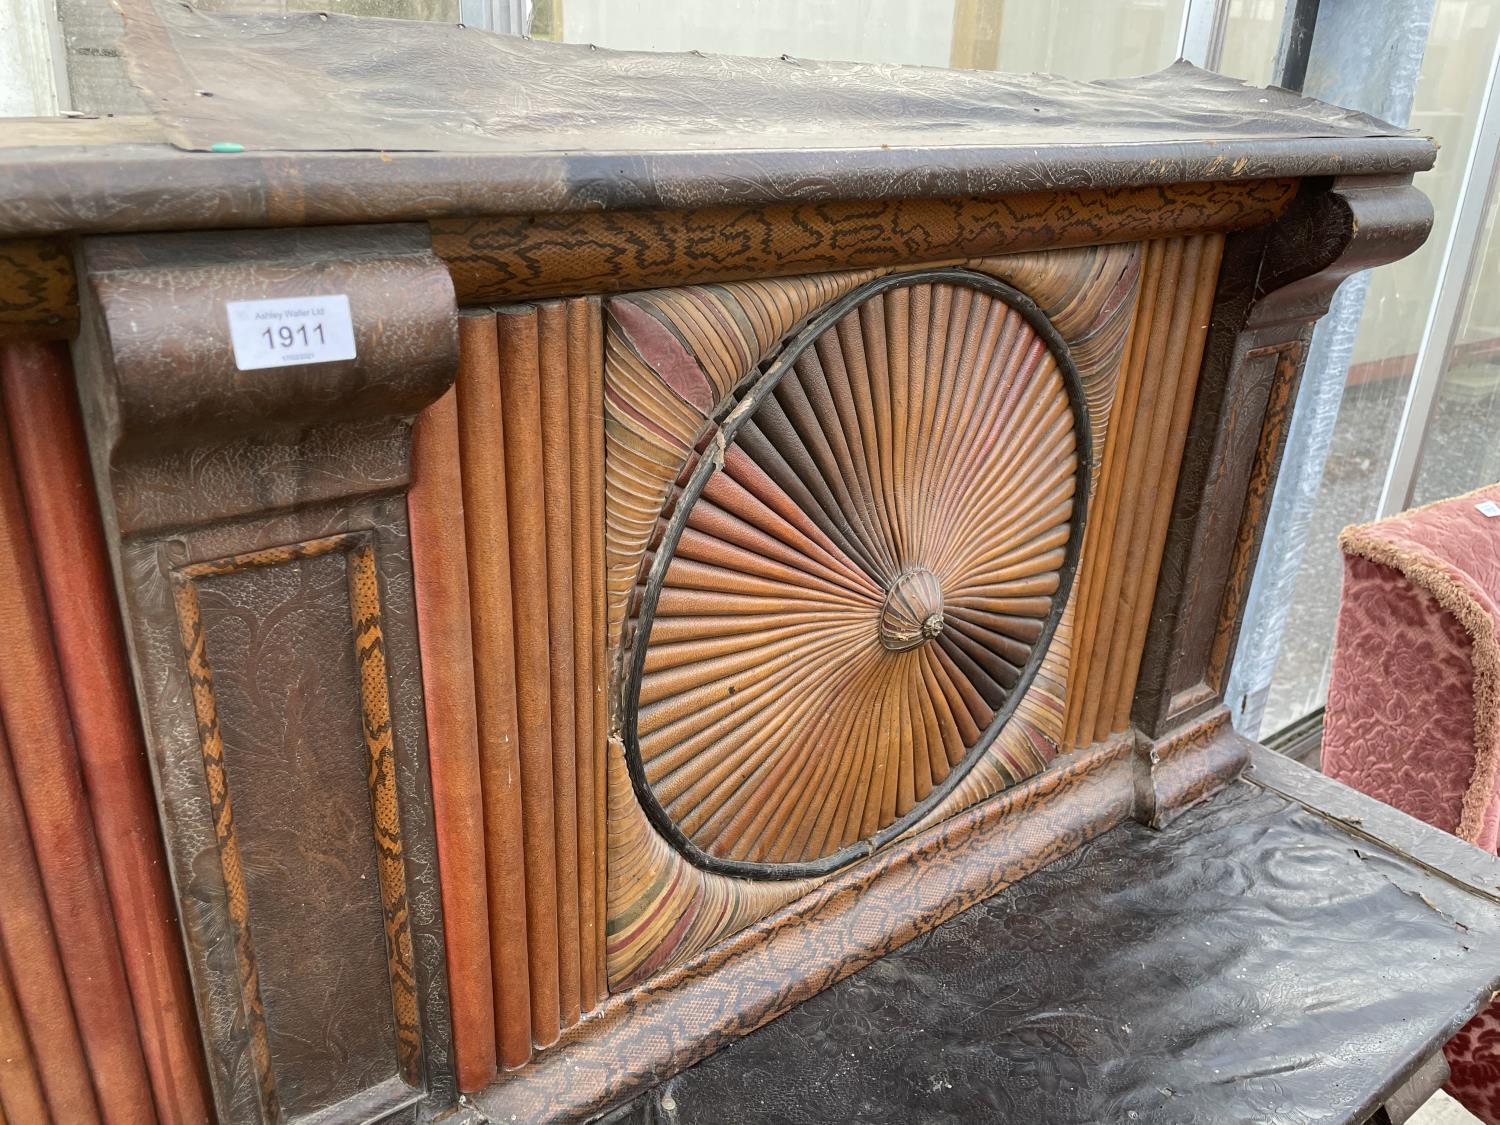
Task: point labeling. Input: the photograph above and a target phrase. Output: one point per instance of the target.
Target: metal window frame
(1201, 39)
(510, 17)
(1456, 277)
(1461, 256)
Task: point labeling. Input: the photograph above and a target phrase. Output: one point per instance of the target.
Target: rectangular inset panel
(290, 690)
(299, 821)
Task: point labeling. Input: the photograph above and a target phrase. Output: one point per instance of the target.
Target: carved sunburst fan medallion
(859, 580)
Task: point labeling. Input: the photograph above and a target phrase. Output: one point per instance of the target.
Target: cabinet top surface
(412, 120)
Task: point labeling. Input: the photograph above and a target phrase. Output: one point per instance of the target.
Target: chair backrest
(1414, 700)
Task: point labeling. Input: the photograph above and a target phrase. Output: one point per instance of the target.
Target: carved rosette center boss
(861, 579)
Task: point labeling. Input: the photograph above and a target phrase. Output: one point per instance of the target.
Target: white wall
(888, 31)
(1078, 38)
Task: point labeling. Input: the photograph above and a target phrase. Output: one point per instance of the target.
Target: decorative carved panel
(804, 480)
(834, 527)
(302, 833)
(861, 580)
(259, 531)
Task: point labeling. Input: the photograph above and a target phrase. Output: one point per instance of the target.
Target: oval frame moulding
(903, 599)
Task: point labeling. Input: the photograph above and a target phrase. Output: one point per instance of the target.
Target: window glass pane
(1454, 71)
(1121, 39)
(887, 31)
(1251, 36)
(1462, 447)
(1124, 36)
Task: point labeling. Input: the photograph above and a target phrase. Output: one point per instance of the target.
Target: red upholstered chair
(1414, 701)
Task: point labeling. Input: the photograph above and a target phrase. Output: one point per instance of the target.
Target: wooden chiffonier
(596, 548)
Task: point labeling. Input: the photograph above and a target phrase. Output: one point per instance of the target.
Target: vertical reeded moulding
(258, 525)
(440, 565)
(481, 439)
(520, 376)
(1273, 286)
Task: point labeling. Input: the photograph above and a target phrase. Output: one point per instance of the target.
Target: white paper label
(1488, 508)
(288, 331)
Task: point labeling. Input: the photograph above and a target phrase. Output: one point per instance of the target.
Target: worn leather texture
(1137, 481)
(506, 608)
(1205, 973)
(441, 585)
(384, 120)
(344, 84)
(486, 529)
(44, 1014)
(303, 813)
(187, 393)
(21, 1095)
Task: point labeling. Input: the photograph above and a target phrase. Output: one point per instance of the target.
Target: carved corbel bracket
(257, 517)
(1332, 231)
(1274, 285)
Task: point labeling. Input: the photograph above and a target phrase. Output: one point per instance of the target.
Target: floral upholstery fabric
(1413, 712)
(1402, 686)
(1474, 1060)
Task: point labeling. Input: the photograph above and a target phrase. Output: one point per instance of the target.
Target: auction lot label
(289, 331)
